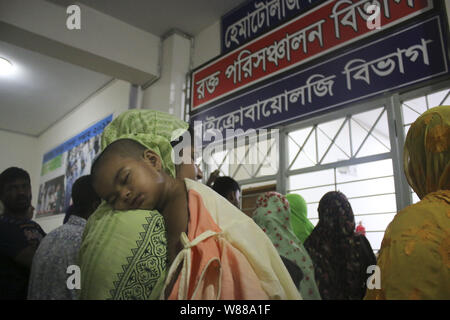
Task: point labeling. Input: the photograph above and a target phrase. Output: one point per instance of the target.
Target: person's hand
(213, 177)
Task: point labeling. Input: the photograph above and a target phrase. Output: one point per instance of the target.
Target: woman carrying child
(193, 244)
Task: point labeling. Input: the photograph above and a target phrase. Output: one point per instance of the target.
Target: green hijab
(301, 226)
(123, 255)
(272, 215)
(153, 129)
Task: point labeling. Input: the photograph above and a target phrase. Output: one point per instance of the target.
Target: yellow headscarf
(414, 258)
(427, 152)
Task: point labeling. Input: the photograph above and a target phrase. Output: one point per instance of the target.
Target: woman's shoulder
(434, 204)
(430, 213)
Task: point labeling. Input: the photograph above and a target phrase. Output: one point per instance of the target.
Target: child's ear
(230, 196)
(151, 157)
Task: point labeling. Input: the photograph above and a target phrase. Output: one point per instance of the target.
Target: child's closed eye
(126, 178)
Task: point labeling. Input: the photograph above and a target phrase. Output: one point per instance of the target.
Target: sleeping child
(194, 244)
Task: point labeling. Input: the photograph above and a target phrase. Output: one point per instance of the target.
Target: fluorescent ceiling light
(6, 66)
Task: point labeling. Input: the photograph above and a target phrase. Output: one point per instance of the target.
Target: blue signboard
(414, 54)
(256, 17)
(80, 138)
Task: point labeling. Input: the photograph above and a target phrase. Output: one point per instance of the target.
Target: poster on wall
(63, 165)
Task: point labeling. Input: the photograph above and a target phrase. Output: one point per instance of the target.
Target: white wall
(207, 44)
(112, 99)
(167, 94)
(18, 151)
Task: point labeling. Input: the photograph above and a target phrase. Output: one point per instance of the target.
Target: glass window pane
(312, 210)
(335, 154)
(437, 98)
(326, 132)
(266, 169)
(341, 149)
(315, 194)
(418, 104)
(446, 102)
(406, 128)
(371, 147)
(323, 141)
(364, 171)
(307, 157)
(375, 239)
(258, 184)
(377, 222)
(311, 179)
(409, 115)
(300, 135)
(415, 198)
(331, 127)
(368, 118)
(267, 159)
(296, 140)
(378, 141)
(358, 135)
(374, 204)
(381, 131)
(241, 172)
(369, 187)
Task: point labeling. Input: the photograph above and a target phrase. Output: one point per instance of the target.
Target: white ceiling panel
(41, 90)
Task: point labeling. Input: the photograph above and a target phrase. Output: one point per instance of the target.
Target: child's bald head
(128, 175)
(124, 148)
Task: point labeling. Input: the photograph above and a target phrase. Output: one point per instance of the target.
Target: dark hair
(11, 174)
(225, 185)
(122, 147)
(83, 195)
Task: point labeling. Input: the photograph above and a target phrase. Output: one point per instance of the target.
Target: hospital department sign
(414, 54)
(325, 28)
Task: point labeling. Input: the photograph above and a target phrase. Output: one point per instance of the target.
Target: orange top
(218, 270)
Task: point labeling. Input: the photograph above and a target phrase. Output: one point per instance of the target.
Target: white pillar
(168, 92)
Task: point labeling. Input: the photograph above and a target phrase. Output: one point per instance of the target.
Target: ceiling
(42, 90)
(160, 16)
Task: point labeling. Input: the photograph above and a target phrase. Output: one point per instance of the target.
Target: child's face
(128, 183)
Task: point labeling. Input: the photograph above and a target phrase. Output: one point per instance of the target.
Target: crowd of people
(141, 226)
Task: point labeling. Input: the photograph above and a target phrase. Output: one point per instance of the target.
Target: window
(352, 155)
(347, 150)
(254, 156)
(352, 137)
